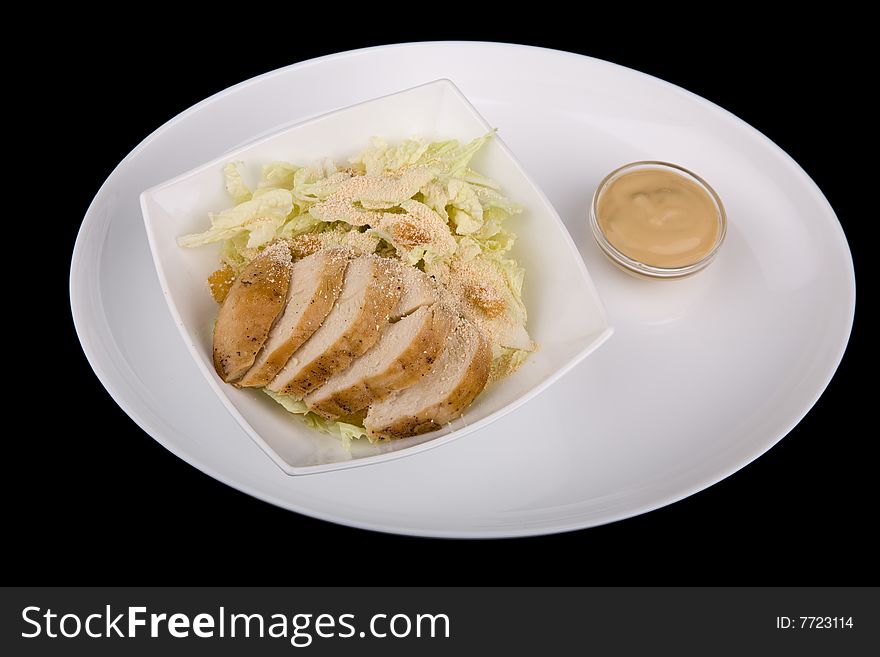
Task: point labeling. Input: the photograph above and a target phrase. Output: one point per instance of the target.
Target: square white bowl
(566, 317)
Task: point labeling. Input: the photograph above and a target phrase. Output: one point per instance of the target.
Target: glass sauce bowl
(641, 269)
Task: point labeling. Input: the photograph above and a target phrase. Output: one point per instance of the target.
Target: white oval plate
(702, 376)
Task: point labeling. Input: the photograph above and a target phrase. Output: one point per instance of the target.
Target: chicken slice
(403, 354)
(419, 289)
(315, 283)
(457, 377)
(249, 310)
(370, 291)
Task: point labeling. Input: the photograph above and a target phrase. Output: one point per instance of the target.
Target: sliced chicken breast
(315, 284)
(419, 289)
(457, 377)
(370, 290)
(403, 354)
(251, 307)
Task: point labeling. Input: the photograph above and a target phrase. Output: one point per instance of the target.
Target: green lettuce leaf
(467, 212)
(381, 158)
(260, 217)
(492, 198)
(235, 184)
(342, 431)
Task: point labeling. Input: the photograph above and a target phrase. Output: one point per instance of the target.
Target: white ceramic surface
(555, 271)
(702, 376)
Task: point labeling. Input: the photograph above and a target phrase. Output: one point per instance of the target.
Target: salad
(418, 201)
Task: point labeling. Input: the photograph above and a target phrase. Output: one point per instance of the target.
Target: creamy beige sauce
(658, 218)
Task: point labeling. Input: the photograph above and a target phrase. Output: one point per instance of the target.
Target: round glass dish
(641, 269)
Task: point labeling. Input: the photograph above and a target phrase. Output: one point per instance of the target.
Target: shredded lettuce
(342, 431)
(235, 184)
(261, 218)
(277, 175)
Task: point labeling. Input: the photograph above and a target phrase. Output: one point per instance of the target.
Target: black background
(799, 514)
